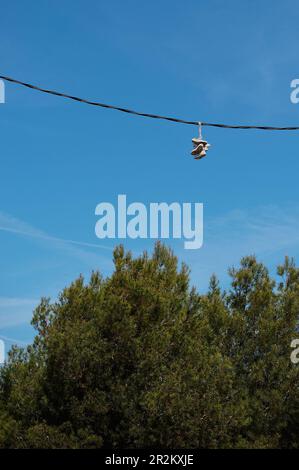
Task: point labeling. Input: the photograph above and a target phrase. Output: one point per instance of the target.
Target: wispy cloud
(16, 311)
(8, 302)
(11, 224)
(10, 341)
(16, 226)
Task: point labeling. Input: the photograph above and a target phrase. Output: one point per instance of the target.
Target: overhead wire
(147, 115)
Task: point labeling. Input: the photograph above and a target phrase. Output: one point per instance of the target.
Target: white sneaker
(200, 148)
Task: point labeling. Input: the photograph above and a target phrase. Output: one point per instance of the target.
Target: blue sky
(210, 60)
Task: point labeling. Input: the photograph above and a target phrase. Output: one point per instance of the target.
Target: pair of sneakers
(200, 148)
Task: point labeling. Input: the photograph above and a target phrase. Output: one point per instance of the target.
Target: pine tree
(141, 359)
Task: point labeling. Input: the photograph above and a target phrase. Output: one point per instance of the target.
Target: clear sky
(223, 61)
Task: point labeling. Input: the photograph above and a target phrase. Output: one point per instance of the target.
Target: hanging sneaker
(200, 148)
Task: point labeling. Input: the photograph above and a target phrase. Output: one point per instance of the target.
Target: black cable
(153, 116)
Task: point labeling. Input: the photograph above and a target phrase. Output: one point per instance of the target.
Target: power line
(148, 115)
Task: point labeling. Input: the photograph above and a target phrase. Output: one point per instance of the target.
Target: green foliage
(141, 359)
